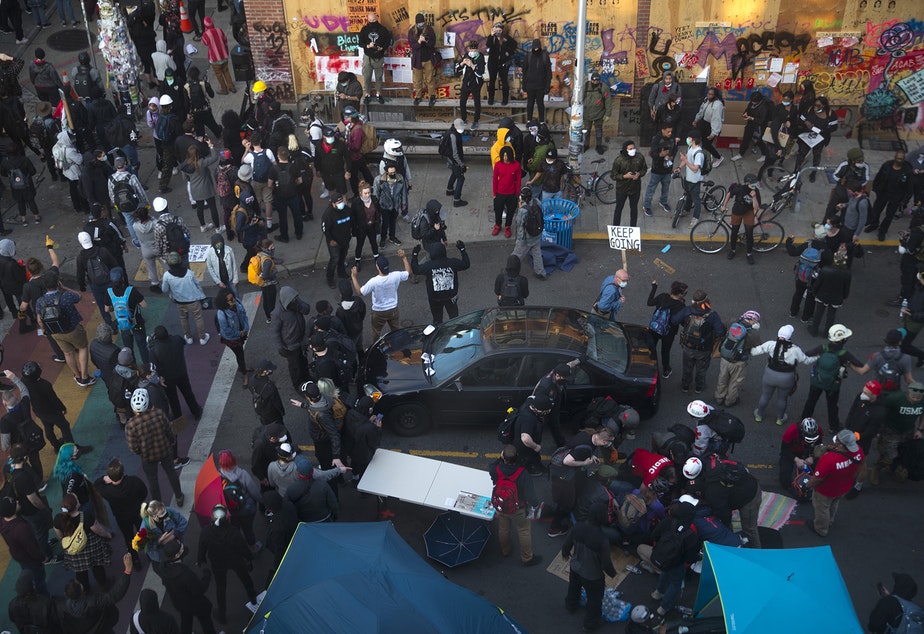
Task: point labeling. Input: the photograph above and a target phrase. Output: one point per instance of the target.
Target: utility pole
(576, 130)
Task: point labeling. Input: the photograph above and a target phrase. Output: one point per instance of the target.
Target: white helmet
(640, 614)
(166, 100)
(692, 468)
(393, 146)
(140, 400)
(839, 332)
(698, 409)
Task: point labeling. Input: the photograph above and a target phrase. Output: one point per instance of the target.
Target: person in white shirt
(691, 164)
(780, 374)
(384, 289)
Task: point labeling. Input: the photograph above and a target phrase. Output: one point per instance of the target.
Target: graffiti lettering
(399, 15)
(490, 14)
(348, 42)
(275, 36)
(329, 22)
(653, 45)
(548, 28)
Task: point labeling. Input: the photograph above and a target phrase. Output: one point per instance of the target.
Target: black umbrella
(454, 539)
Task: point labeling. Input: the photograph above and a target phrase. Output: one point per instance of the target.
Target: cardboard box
(561, 569)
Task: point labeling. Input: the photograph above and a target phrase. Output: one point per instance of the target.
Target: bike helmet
(640, 614)
(219, 512)
(698, 409)
(31, 370)
(839, 332)
(140, 400)
(393, 146)
(350, 112)
(526, 193)
(809, 429)
(751, 315)
(751, 180)
(692, 468)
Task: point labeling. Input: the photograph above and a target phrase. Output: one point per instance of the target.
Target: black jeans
(150, 471)
(336, 264)
(621, 199)
(456, 180)
(802, 289)
(475, 93)
(359, 168)
(437, 306)
(695, 365)
(749, 129)
(889, 205)
(831, 396)
(269, 299)
(909, 266)
(505, 203)
(705, 129)
(535, 99)
(168, 163)
(818, 314)
(60, 421)
(182, 383)
(293, 205)
(298, 367)
(205, 119)
(498, 74)
(389, 223)
(221, 586)
(593, 616)
(213, 210)
(667, 342)
(202, 612)
(370, 233)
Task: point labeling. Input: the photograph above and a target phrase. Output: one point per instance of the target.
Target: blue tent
(772, 591)
(364, 577)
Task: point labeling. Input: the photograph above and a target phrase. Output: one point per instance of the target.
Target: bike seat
(708, 183)
(595, 161)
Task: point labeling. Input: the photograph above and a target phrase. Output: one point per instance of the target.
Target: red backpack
(224, 181)
(505, 497)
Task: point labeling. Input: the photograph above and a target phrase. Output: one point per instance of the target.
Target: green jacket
(597, 101)
(538, 156)
(623, 164)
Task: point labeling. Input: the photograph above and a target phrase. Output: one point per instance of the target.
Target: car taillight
(653, 387)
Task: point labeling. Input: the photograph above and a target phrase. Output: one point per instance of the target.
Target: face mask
(340, 205)
(864, 397)
(828, 227)
(787, 103)
(64, 510)
(549, 161)
(631, 152)
(170, 82)
(623, 284)
(473, 54)
(755, 327)
(536, 50)
(420, 25)
(819, 110)
(689, 141)
(231, 303)
(365, 199)
(271, 250)
(392, 177)
(328, 139)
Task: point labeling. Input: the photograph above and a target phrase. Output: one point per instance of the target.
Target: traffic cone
(185, 25)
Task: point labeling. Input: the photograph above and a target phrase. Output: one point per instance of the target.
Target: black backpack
(535, 222)
(445, 148)
(30, 434)
(19, 180)
(177, 237)
(726, 425)
(197, 99)
(669, 549)
(97, 271)
(510, 292)
(505, 429)
(728, 472)
(54, 316)
(285, 181)
(84, 85)
(164, 128)
(126, 200)
(693, 332)
(419, 224)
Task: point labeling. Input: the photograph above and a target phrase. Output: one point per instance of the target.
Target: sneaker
(542, 277)
(381, 243)
(59, 359)
(737, 157)
(38, 221)
(25, 223)
(432, 101)
(181, 462)
(661, 612)
(556, 531)
(507, 232)
(656, 595)
(180, 500)
(666, 374)
(750, 258)
(667, 208)
(495, 230)
(474, 125)
(22, 41)
(761, 159)
(779, 422)
(718, 161)
(222, 229)
(54, 559)
(325, 194)
(647, 211)
(380, 99)
(417, 101)
(395, 241)
(853, 493)
(731, 255)
(269, 224)
(252, 606)
(189, 340)
(459, 203)
(757, 417)
(44, 486)
(269, 320)
(693, 222)
(367, 99)
(283, 239)
(205, 339)
(537, 559)
(203, 228)
(685, 389)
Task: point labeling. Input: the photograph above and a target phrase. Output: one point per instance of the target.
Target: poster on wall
(913, 87)
(357, 10)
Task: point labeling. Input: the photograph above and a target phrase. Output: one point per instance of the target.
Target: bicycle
(712, 235)
(712, 197)
(575, 187)
(786, 186)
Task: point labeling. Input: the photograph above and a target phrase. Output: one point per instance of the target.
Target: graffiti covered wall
(866, 53)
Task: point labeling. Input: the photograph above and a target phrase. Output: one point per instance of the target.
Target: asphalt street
(873, 535)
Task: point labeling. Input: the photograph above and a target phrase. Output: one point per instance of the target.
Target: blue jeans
(537, 191)
(695, 198)
(137, 336)
(37, 570)
(131, 153)
(66, 4)
(100, 295)
(551, 195)
(456, 180)
(130, 222)
(670, 584)
(38, 14)
(664, 180)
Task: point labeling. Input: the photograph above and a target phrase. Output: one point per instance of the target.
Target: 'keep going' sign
(624, 238)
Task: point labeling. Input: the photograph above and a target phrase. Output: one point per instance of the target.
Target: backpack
(97, 271)
(176, 236)
(808, 263)
(197, 99)
(261, 166)
(19, 179)
(510, 292)
(445, 148)
(234, 221)
(660, 323)
(691, 332)
(125, 198)
(535, 221)
(728, 426)
(728, 472)
(163, 128)
(55, 317)
(826, 373)
(631, 511)
(121, 131)
(124, 318)
(41, 135)
(505, 429)
(254, 270)
(419, 225)
(732, 347)
(234, 493)
(224, 181)
(668, 551)
(59, 154)
(707, 163)
(84, 85)
(889, 374)
(912, 618)
(370, 138)
(505, 497)
(285, 182)
(30, 434)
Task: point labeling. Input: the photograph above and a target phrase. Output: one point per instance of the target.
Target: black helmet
(32, 370)
(328, 131)
(83, 58)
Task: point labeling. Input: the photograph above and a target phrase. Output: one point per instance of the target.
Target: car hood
(396, 359)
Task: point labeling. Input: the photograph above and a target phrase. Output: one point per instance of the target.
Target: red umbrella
(208, 490)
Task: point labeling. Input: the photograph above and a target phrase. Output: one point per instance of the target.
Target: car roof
(535, 327)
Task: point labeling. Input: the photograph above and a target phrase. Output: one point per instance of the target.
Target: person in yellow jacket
(503, 140)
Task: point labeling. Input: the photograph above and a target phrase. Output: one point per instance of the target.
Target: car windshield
(606, 343)
(454, 345)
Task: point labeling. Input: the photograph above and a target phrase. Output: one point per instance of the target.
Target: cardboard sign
(624, 238)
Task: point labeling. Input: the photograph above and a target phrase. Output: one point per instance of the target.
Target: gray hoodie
(290, 332)
(282, 475)
(162, 60)
(236, 474)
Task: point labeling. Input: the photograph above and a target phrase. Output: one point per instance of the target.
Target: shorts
(749, 219)
(263, 193)
(72, 341)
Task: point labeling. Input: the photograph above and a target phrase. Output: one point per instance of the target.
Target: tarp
(773, 591)
(363, 577)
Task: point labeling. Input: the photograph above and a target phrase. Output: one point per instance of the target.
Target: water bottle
(685, 611)
(633, 569)
(901, 313)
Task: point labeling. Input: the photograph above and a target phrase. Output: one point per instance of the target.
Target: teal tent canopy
(773, 591)
(363, 577)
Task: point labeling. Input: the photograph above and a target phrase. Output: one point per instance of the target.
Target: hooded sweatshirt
(441, 271)
(220, 262)
(502, 134)
(67, 157)
(239, 475)
(512, 273)
(288, 321)
(624, 164)
(351, 311)
(162, 60)
(506, 178)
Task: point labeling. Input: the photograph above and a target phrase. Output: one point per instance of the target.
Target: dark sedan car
(470, 369)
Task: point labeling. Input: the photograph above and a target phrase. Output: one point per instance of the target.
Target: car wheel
(410, 420)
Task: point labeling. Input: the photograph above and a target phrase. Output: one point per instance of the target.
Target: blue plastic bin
(560, 214)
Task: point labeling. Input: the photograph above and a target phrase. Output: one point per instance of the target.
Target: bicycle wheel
(768, 235)
(605, 190)
(678, 211)
(772, 175)
(713, 198)
(709, 236)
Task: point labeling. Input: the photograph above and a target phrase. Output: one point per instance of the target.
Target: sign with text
(624, 238)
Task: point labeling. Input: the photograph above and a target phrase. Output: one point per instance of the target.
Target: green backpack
(826, 374)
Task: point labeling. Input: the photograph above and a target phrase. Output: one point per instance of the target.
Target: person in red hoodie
(505, 186)
(217, 44)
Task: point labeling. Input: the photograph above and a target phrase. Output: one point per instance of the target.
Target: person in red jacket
(505, 186)
(833, 478)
